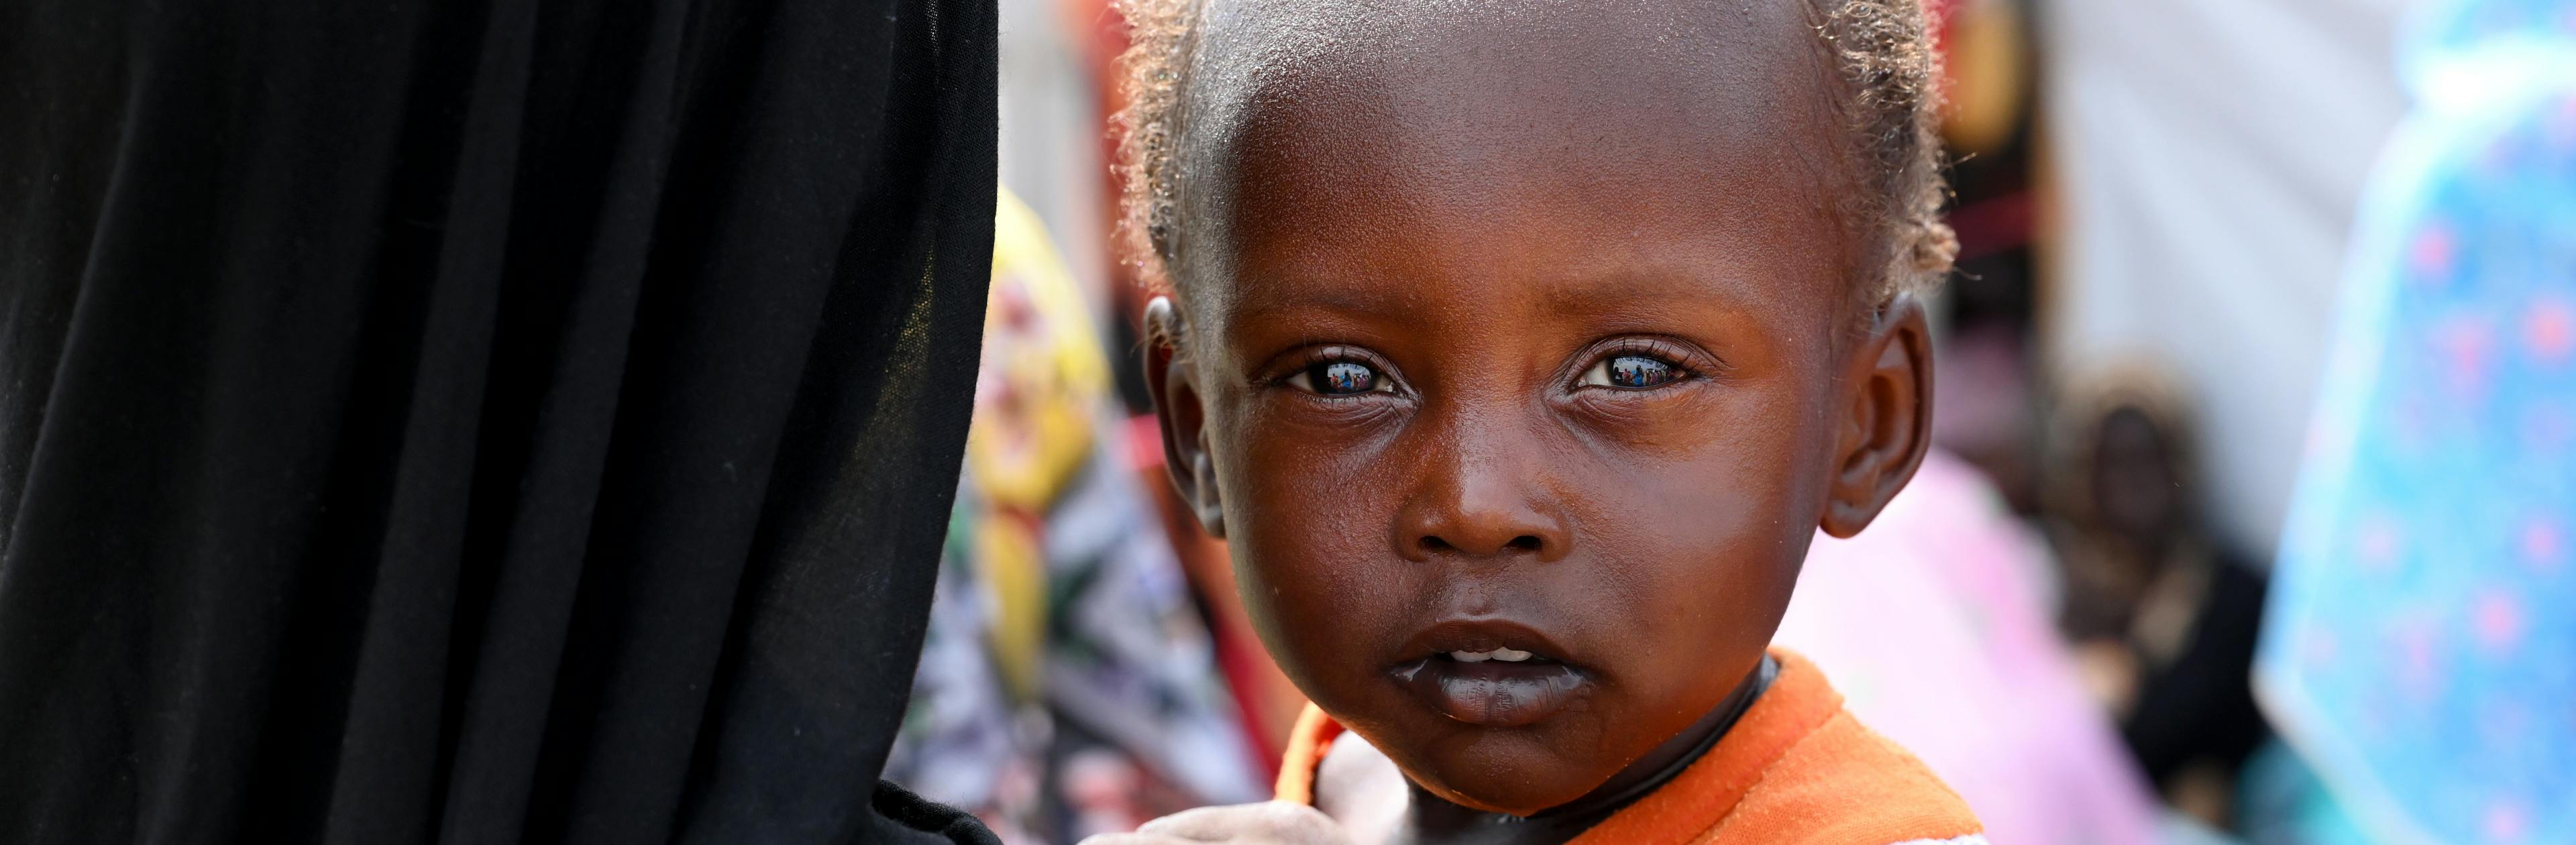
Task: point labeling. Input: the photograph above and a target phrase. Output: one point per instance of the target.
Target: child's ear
(1888, 423)
(1174, 384)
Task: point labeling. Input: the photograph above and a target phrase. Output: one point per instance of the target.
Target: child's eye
(1341, 378)
(1631, 372)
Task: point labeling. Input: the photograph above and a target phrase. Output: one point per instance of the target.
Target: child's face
(1526, 334)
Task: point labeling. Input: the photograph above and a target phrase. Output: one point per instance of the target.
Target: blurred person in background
(2162, 613)
(2202, 162)
(2418, 653)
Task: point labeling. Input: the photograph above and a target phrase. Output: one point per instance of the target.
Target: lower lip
(1493, 693)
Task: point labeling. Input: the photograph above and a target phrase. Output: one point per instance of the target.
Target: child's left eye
(1631, 372)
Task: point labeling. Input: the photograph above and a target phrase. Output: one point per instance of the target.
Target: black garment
(479, 420)
(2201, 708)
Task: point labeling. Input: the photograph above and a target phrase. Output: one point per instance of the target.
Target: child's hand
(1266, 823)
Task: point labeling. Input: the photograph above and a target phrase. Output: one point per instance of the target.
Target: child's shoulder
(1844, 784)
(1798, 769)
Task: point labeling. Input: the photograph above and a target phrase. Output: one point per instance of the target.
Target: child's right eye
(1340, 378)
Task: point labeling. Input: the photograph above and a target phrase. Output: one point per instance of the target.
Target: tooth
(1510, 656)
(1470, 656)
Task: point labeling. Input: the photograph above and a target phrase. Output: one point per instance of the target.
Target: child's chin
(1516, 787)
(1510, 799)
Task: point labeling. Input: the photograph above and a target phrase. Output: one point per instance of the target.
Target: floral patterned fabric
(2419, 653)
(1067, 684)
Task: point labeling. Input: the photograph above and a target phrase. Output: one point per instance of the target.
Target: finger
(1272, 820)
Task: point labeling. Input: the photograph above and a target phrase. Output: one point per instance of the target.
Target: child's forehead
(1322, 123)
(1666, 84)
(1675, 50)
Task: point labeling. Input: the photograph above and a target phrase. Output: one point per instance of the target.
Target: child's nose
(1482, 507)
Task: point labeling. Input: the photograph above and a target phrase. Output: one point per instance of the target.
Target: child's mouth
(1503, 654)
(1501, 678)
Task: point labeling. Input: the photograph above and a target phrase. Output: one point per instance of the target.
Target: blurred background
(2250, 524)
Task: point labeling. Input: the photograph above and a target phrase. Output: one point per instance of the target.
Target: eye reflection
(1341, 378)
(1632, 372)
(1638, 371)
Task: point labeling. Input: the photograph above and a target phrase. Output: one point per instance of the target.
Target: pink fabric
(1934, 624)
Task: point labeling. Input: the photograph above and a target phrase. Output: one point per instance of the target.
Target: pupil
(1345, 377)
(1639, 371)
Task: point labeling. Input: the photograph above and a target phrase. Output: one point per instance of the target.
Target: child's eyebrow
(1624, 290)
(1360, 300)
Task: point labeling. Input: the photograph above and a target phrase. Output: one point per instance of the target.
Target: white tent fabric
(2208, 155)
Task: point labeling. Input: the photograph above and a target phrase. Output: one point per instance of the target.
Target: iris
(1342, 378)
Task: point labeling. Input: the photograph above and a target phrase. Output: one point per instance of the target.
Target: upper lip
(1482, 634)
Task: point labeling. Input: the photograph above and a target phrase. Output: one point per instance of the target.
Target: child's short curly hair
(1886, 55)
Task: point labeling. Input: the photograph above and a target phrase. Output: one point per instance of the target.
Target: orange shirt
(1796, 769)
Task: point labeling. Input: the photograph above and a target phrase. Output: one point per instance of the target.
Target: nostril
(1435, 544)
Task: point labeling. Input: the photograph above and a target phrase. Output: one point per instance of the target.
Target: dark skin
(2137, 511)
(2134, 483)
(1526, 334)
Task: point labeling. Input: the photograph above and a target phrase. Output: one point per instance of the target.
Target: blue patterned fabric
(2420, 650)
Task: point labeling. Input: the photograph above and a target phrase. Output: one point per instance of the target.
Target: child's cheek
(1309, 524)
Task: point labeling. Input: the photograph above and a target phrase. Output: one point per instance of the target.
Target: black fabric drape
(479, 420)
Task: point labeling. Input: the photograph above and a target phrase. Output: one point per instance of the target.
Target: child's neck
(1430, 820)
